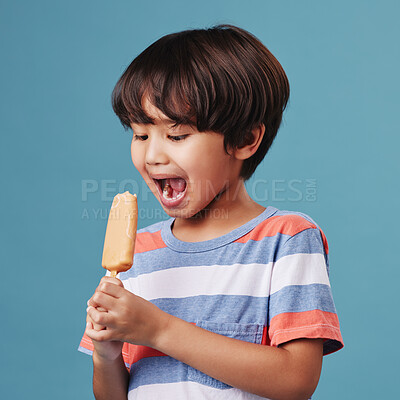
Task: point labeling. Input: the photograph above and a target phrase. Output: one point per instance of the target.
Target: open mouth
(171, 189)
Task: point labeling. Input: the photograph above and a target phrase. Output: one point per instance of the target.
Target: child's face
(185, 169)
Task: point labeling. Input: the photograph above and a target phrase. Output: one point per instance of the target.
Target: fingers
(102, 301)
(111, 286)
(109, 279)
(100, 336)
(94, 326)
(99, 319)
(91, 303)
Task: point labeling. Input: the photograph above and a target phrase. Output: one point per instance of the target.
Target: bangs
(166, 80)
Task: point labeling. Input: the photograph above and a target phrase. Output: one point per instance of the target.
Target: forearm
(263, 370)
(110, 379)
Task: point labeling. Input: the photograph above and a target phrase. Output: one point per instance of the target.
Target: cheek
(137, 158)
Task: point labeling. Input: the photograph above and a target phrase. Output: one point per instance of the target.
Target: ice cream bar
(119, 243)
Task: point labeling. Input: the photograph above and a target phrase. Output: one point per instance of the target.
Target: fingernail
(88, 302)
(88, 324)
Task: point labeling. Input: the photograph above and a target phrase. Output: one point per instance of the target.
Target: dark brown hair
(221, 79)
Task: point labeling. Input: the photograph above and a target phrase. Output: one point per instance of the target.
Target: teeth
(166, 189)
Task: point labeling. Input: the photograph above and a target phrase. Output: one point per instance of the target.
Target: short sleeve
(301, 303)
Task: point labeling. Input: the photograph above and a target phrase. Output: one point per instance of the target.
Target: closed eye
(140, 137)
(177, 138)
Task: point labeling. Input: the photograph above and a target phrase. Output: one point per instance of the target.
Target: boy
(227, 299)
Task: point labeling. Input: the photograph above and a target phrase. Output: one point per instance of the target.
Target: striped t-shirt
(265, 282)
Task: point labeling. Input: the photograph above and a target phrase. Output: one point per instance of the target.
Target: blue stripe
(308, 241)
(163, 370)
(223, 308)
(86, 351)
(311, 231)
(298, 298)
(153, 370)
(247, 309)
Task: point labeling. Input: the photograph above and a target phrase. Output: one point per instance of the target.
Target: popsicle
(119, 242)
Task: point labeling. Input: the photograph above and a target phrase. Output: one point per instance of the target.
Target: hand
(108, 351)
(105, 350)
(128, 318)
(98, 327)
(95, 326)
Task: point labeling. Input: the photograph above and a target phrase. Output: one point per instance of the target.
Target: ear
(246, 151)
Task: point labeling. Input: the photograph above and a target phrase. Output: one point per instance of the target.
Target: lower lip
(171, 203)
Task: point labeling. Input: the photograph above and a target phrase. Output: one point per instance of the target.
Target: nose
(155, 152)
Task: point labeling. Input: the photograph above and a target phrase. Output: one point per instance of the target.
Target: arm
(288, 372)
(110, 376)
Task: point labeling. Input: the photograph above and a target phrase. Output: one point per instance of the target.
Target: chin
(184, 214)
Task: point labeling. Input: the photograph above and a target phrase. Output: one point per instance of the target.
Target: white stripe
(188, 390)
(299, 269)
(236, 279)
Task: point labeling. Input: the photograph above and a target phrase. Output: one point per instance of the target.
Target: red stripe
(306, 324)
(147, 241)
(265, 338)
(131, 352)
(139, 352)
(87, 344)
(283, 224)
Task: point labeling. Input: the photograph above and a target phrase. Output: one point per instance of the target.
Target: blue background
(64, 155)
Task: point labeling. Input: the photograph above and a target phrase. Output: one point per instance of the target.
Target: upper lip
(164, 176)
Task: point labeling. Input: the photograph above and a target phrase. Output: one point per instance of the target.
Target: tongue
(177, 184)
